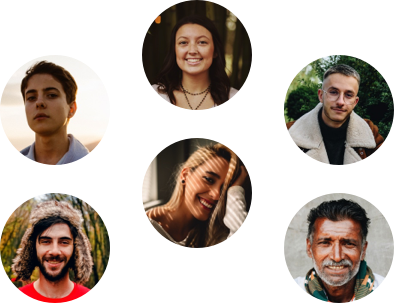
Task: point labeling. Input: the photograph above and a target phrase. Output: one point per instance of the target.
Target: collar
(306, 131)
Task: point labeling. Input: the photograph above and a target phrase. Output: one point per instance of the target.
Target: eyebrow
(213, 174)
(49, 238)
(348, 90)
(342, 239)
(197, 37)
(45, 90)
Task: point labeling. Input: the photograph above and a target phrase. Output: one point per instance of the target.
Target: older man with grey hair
(337, 243)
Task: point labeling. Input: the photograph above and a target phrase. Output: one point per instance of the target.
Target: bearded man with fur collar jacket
(332, 132)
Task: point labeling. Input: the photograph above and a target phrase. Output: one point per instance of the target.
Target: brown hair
(59, 73)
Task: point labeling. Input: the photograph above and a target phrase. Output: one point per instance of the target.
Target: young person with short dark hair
(49, 93)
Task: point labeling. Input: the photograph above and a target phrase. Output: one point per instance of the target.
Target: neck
(196, 83)
(58, 289)
(342, 293)
(50, 149)
(182, 222)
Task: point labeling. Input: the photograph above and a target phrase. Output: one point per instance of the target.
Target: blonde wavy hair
(212, 231)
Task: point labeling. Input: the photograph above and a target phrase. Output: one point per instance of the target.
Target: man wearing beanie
(55, 243)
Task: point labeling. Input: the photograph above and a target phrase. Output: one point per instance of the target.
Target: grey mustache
(340, 263)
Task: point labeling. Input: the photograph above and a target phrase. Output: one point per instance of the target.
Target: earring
(183, 181)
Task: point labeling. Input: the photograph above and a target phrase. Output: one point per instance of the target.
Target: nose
(40, 103)
(341, 99)
(336, 252)
(193, 48)
(54, 250)
(214, 193)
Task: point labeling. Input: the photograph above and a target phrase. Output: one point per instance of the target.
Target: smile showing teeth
(206, 204)
(53, 262)
(336, 267)
(193, 60)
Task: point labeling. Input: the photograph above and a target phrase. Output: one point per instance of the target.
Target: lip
(206, 204)
(337, 270)
(40, 116)
(338, 110)
(194, 62)
(53, 265)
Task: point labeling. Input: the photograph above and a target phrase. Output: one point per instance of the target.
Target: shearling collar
(306, 134)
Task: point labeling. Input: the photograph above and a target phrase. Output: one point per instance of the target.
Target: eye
(52, 96)
(203, 42)
(209, 180)
(31, 98)
(333, 92)
(182, 43)
(349, 95)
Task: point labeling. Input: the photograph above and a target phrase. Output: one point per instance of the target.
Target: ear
(355, 103)
(309, 248)
(364, 252)
(73, 109)
(320, 95)
(184, 173)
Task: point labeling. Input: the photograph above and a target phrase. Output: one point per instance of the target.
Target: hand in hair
(241, 178)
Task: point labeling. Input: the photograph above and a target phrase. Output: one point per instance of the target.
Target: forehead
(58, 230)
(337, 229)
(42, 81)
(192, 31)
(341, 82)
(217, 165)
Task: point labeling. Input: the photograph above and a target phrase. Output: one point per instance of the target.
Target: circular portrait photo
(196, 193)
(54, 110)
(339, 110)
(339, 248)
(55, 248)
(197, 55)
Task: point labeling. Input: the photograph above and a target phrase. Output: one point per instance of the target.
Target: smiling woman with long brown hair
(194, 75)
(208, 202)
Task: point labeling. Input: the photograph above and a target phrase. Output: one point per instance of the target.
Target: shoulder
(290, 124)
(375, 131)
(27, 289)
(232, 93)
(80, 290)
(164, 96)
(25, 151)
(300, 282)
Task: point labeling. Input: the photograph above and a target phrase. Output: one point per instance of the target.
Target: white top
(233, 91)
(233, 219)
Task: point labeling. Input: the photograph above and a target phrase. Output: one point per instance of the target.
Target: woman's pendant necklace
(205, 91)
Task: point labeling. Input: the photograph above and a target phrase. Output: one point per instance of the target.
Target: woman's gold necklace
(206, 91)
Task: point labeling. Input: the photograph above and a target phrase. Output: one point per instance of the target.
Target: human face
(194, 49)
(337, 112)
(203, 187)
(54, 248)
(337, 250)
(46, 107)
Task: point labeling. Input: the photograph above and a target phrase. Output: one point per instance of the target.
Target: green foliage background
(92, 226)
(376, 101)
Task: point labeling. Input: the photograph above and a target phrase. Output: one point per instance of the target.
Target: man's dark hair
(44, 224)
(59, 73)
(338, 211)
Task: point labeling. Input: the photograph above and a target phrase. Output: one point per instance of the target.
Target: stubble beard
(53, 277)
(329, 279)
